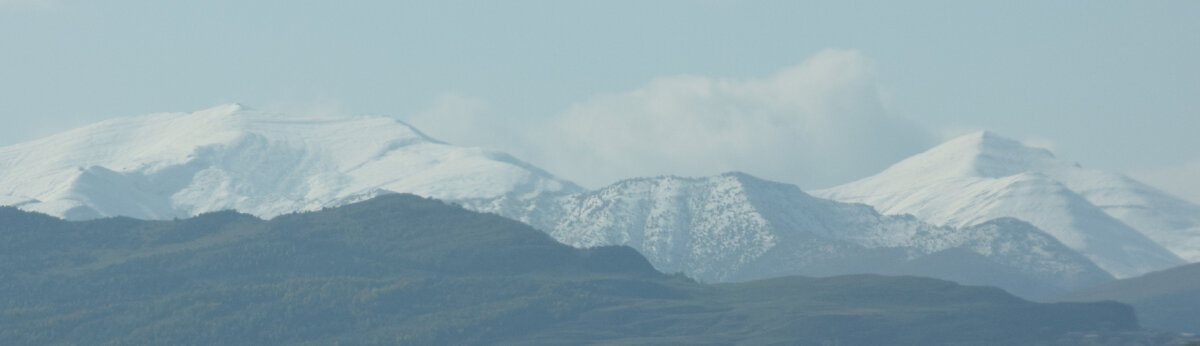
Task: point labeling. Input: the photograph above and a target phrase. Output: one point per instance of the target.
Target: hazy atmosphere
(812, 93)
(604, 172)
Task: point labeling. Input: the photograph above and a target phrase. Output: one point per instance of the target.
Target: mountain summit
(169, 165)
(1124, 226)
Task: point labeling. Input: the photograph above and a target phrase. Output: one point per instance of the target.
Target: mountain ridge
(1166, 300)
(403, 269)
(168, 165)
(727, 227)
(982, 176)
(735, 227)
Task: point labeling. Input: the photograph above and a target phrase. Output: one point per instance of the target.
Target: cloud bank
(464, 121)
(816, 124)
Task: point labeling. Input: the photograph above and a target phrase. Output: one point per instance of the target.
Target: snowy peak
(982, 176)
(166, 139)
(979, 154)
(1000, 157)
(232, 157)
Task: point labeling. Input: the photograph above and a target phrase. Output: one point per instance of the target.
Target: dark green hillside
(1167, 300)
(403, 269)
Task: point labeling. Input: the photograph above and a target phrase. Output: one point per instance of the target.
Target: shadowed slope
(1168, 299)
(404, 269)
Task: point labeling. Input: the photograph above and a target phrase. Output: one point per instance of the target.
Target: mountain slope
(727, 228)
(163, 166)
(1167, 300)
(1172, 222)
(981, 176)
(400, 269)
(735, 227)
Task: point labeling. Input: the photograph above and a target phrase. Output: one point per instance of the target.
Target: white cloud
(1180, 180)
(462, 120)
(815, 124)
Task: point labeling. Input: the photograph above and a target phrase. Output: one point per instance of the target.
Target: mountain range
(735, 227)
(401, 269)
(984, 210)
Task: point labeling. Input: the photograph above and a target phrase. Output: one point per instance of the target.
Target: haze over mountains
(731, 227)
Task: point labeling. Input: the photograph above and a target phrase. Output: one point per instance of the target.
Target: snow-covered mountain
(162, 166)
(1122, 225)
(730, 227)
(735, 227)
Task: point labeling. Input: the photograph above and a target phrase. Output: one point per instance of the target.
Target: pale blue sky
(1111, 84)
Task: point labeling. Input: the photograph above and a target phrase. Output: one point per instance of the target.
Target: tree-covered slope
(403, 269)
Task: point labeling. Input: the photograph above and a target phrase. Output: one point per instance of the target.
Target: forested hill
(1165, 300)
(404, 269)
